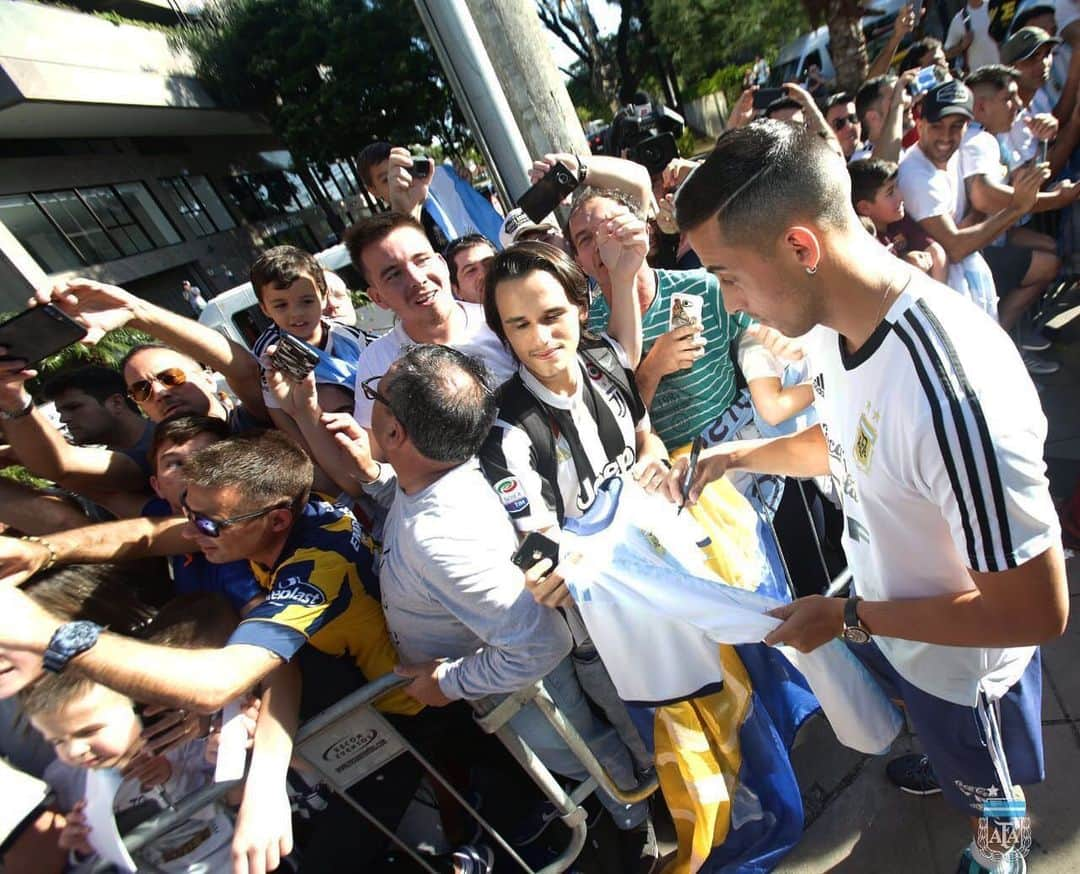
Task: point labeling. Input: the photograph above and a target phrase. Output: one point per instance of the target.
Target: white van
(813, 48)
(236, 314)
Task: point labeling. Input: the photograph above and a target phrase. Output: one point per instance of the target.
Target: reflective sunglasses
(141, 389)
(211, 527)
(843, 121)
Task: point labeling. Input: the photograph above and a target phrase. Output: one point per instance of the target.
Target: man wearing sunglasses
(162, 382)
(841, 117)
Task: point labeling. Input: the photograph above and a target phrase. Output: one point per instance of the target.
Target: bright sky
(607, 21)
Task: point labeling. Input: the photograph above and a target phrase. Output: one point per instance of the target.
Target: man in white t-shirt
(1021, 273)
(933, 188)
(404, 274)
(934, 435)
(1031, 51)
(969, 35)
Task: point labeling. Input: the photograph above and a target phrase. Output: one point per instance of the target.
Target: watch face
(854, 634)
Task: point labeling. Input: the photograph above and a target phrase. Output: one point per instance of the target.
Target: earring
(811, 270)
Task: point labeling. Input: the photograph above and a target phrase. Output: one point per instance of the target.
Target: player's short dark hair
(524, 258)
(868, 176)
(762, 177)
(836, 99)
(443, 400)
(281, 266)
(375, 229)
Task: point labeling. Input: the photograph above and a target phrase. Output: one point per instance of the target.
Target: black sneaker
(913, 774)
(638, 849)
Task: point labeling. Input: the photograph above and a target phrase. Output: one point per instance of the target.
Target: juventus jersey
(595, 437)
(935, 436)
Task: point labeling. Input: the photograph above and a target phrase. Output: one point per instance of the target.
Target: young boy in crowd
(96, 728)
(877, 199)
(292, 292)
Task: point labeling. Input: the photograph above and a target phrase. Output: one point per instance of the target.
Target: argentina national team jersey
(594, 435)
(935, 437)
(337, 360)
(324, 591)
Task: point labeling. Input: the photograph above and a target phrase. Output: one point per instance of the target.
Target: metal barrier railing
(350, 740)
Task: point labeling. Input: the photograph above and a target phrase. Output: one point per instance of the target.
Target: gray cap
(1024, 43)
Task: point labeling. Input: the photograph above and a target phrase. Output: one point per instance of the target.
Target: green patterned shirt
(688, 400)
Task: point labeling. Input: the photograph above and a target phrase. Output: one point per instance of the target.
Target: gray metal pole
(472, 77)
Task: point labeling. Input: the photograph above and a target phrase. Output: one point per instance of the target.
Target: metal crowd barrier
(350, 740)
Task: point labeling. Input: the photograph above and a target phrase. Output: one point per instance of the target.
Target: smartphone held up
(37, 333)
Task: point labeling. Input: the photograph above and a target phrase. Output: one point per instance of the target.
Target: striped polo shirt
(687, 401)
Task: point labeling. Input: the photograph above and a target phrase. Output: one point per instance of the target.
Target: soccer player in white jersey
(934, 433)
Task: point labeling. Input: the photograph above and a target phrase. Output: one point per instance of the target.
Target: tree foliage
(703, 36)
(329, 75)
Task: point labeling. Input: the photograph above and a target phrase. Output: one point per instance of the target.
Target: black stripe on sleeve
(939, 430)
(968, 447)
(997, 489)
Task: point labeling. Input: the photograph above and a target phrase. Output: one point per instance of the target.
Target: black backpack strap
(598, 353)
(519, 406)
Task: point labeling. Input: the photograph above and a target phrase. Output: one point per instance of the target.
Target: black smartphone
(548, 193)
(39, 332)
(764, 96)
(421, 168)
(294, 357)
(534, 548)
(916, 9)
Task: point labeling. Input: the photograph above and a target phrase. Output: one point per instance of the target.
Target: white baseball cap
(517, 223)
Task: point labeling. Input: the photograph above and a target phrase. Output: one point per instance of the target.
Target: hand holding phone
(37, 333)
(764, 96)
(534, 549)
(543, 197)
(421, 168)
(294, 357)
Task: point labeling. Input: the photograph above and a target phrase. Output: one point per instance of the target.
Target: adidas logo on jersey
(819, 385)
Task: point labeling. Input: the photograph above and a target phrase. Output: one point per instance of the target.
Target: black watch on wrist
(68, 641)
(854, 630)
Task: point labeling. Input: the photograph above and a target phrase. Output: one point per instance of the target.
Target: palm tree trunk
(847, 45)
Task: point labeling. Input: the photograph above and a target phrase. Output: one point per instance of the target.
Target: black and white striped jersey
(593, 436)
(935, 436)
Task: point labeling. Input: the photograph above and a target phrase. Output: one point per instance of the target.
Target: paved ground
(857, 823)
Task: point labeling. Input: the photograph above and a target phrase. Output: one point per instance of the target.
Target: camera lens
(562, 177)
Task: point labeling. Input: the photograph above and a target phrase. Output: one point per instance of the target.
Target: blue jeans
(532, 727)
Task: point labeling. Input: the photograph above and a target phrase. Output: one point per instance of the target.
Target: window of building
(37, 234)
(261, 196)
(198, 203)
(67, 229)
(138, 199)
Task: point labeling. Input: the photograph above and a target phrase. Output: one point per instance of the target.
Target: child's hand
(74, 835)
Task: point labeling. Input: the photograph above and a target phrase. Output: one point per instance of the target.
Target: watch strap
(851, 614)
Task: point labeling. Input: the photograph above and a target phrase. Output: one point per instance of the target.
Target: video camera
(646, 132)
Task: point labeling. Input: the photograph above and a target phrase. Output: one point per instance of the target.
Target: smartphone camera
(563, 177)
(925, 79)
(421, 168)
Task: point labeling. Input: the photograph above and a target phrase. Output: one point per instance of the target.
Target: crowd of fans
(282, 543)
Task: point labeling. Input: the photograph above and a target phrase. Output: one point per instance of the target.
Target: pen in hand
(695, 453)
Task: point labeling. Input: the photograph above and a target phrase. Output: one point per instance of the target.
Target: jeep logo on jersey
(511, 494)
(349, 746)
(296, 591)
(620, 464)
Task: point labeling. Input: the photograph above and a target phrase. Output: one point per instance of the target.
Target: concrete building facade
(116, 163)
